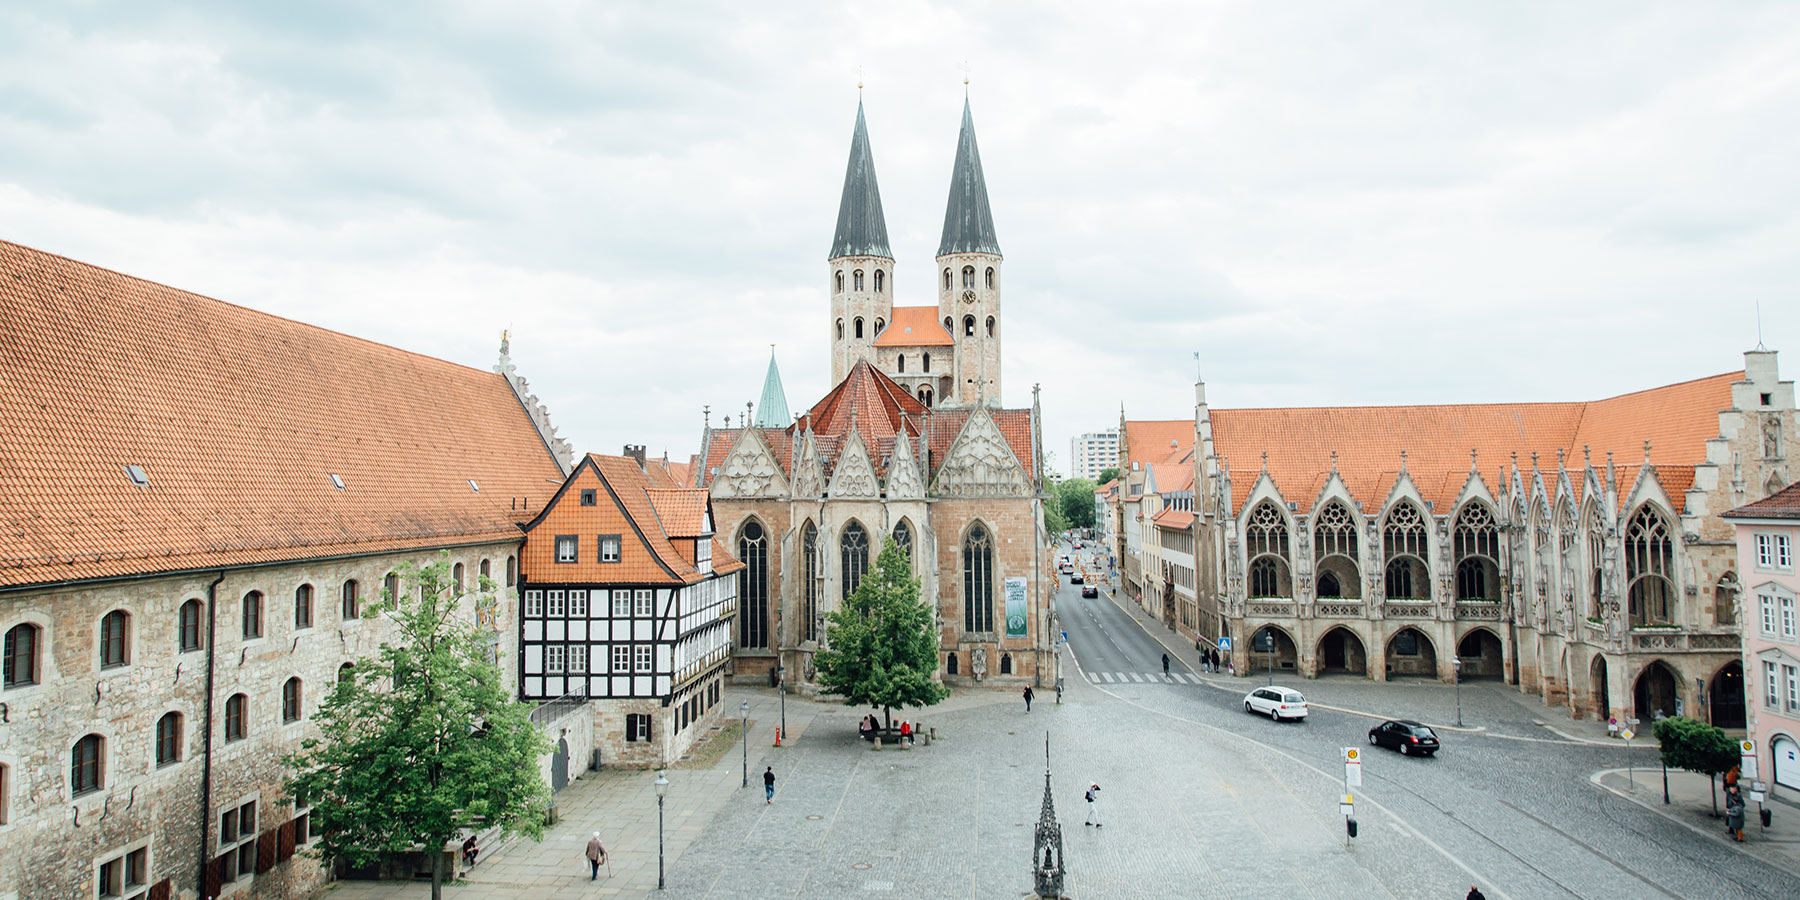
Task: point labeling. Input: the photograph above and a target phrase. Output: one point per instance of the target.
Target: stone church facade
(912, 444)
(1573, 549)
(202, 501)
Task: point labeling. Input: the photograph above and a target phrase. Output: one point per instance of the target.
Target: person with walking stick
(596, 854)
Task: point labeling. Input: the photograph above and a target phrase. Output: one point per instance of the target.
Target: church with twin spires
(911, 444)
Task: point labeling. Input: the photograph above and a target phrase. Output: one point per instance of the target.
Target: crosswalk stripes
(1142, 678)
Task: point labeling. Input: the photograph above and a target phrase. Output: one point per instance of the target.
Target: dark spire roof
(968, 221)
(861, 228)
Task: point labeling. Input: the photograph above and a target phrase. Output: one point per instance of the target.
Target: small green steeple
(772, 410)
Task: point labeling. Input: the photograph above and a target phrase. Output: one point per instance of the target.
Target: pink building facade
(1768, 534)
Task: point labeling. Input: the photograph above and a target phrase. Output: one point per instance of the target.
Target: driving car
(1276, 702)
(1406, 736)
(1090, 591)
(1077, 579)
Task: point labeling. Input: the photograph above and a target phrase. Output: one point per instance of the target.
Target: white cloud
(1333, 203)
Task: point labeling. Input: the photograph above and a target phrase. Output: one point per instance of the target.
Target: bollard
(877, 743)
(778, 735)
(932, 731)
(928, 738)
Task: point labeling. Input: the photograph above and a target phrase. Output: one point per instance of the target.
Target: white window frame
(1790, 676)
(1785, 603)
(1765, 550)
(578, 604)
(644, 658)
(571, 544)
(611, 548)
(1771, 685)
(534, 603)
(553, 659)
(1784, 552)
(553, 604)
(621, 659)
(578, 659)
(644, 602)
(621, 602)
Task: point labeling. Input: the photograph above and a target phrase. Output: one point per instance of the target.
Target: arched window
(840, 281)
(924, 362)
(968, 276)
(187, 626)
(990, 278)
(1725, 597)
(880, 326)
(1568, 543)
(458, 574)
(857, 280)
(753, 586)
(840, 324)
(880, 280)
(1476, 545)
(1335, 552)
(168, 739)
(482, 572)
(115, 639)
(1404, 550)
(253, 606)
(85, 772)
(1649, 563)
(235, 708)
(969, 326)
(900, 363)
(346, 673)
(990, 326)
(1596, 580)
(859, 326)
(1266, 544)
(290, 700)
(949, 659)
(853, 548)
(947, 284)
(303, 606)
(351, 608)
(978, 581)
(1006, 663)
(512, 571)
(925, 396)
(21, 661)
(809, 612)
(904, 538)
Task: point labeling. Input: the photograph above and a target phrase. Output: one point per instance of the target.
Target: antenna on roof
(1759, 342)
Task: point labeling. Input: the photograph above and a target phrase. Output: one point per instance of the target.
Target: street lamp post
(662, 785)
(781, 673)
(744, 710)
(1456, 667)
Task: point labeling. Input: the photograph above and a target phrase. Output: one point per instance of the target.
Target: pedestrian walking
(596, 854)
(1734, 813)
(1028, 696)
(769, 785)
(1475, 894)
(1093, 801)
(1165, 665)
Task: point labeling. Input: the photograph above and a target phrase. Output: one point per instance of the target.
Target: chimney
(636, 451)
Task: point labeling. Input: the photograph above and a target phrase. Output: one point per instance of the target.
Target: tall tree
(1076, 497)
(423, 739)
(882, 644)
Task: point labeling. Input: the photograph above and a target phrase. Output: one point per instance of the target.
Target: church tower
(968, 261)
(862, 265)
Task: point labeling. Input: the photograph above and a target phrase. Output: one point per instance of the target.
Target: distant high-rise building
(1091, 453)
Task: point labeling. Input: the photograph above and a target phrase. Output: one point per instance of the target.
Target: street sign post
(1747, 759)
(1352, 767)
(1347, 806)
(1629, 774)
(1224, 643)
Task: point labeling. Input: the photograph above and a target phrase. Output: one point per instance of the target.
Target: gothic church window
(1649, 562)
(1476, 546)
(924, 362)
(900, 363)
(853, 549)
(969, 326)
(1335, 552)
(1403, 543)
(809, 612)
(753, 586)
(857, 280)
(1597, 566)
(859, 327)
(1266, 543)
(925, 396)
(978, 581)
(904, 538)
(880, 280)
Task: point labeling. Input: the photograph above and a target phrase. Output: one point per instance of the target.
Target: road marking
(1105, 676)
(1134, 677)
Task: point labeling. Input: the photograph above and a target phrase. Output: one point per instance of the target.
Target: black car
(1077, 579)
(1406, 736)
(1089, 590)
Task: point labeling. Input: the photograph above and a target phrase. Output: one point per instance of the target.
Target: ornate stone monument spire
(1047, 863)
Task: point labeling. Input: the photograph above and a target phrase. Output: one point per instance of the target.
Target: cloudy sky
(1344, 203)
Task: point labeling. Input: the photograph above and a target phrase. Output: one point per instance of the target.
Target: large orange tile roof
(1783, 504)
(1152, 441)
(682, 512)
(648, 520)
(915, 326)
(239, 418)
(1677, 419)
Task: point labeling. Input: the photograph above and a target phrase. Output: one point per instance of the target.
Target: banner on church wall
(1015, 607)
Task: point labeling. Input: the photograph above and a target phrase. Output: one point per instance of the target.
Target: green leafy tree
(1107, 474)
(1054, 520)
(1691, 744)
(423, 739)
(882, 643)
(1076, 498)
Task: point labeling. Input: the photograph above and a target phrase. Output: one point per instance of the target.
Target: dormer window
(589, 497)
(336, 481)
(142, 479)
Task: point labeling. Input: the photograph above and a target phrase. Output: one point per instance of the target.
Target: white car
(1276, 702)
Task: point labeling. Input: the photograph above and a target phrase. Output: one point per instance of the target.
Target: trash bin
(1765, 816)
(550, 814)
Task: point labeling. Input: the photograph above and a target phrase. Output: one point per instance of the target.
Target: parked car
(1276, 702)
(1406, 736)
(1077, 579)
(1090, 591)
(1078, 545)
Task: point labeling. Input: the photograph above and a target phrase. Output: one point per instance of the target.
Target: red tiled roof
(648, 521)
(681, 511)
(1783, 504)
(1368, 440)
(1152, 441)
(239, 418)
(915, 326)
(1176, 519)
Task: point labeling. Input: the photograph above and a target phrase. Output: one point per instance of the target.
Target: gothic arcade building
(1572, 549)
(911, 444)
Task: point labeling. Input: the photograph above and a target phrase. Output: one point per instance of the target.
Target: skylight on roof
(337, 482)
(474, 487)
(137, 475)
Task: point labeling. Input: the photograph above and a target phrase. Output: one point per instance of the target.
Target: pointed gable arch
(809, 472)
(854, 475)
(904, 481)
(980, 463)
(750, 470)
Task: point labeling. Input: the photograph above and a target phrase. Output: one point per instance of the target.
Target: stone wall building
(201, 500)
(912, 443)
(1573, 549)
